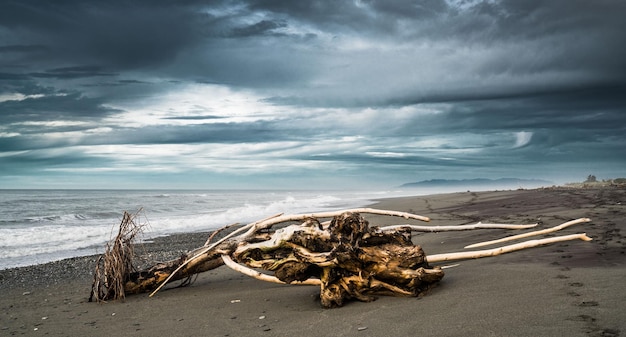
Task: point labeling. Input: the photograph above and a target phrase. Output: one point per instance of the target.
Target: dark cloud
(13, 77)
(57, 107)
(260, 28)
(188, 40)
(73, 72)
(220, 133)
(369, 86)
(319, 13)
(120, 35)
(32, 163)
(23, 49)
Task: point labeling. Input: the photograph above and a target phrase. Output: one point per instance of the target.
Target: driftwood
(529, 234)
(346, 257)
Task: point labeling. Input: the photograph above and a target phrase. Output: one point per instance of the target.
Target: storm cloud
(283, 93)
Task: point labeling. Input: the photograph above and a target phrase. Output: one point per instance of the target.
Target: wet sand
(573, 288)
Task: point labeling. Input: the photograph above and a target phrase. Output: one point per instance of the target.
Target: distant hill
(480, 183)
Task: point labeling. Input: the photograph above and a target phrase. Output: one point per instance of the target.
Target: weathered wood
(351, 260)
(261, 276)
(529, 234)
(252, 229)
(345, 257)
(150, 279)
(505, 249)
(479, 225)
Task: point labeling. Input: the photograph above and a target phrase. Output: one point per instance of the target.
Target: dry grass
(114, 266)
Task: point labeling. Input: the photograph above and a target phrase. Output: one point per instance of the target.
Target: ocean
(39, 226)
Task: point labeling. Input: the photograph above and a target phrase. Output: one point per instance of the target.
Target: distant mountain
(480, 183)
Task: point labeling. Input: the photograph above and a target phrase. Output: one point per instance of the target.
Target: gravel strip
(81, 268)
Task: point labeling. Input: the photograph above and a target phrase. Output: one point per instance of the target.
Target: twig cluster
(114, 266)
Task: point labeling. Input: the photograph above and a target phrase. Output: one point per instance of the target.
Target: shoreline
(573, 288)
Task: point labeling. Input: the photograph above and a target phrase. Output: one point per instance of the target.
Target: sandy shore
(569, 289)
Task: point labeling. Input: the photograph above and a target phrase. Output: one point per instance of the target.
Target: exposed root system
(346, 257)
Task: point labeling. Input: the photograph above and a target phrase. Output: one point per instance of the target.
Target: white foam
(85, 225)
(49, 238)
(44, 238)
(243, 214)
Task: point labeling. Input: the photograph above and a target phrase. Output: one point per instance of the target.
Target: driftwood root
(346, 257)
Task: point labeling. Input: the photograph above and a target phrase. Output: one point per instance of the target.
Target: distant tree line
(617, 181)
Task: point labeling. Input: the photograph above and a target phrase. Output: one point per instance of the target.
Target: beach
(573, 288)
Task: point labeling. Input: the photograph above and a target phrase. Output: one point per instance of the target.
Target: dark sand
(574, 288)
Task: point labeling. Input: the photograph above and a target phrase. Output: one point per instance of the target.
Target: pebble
(81, 268)
(361, 328)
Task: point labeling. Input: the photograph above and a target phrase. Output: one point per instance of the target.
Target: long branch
(285, 218)
(207, 249)
(504, 249)
(479, 225)
(529, 234)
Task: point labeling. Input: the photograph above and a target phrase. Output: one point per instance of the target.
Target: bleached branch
(505, 249)
(479, 225)
(529, 234)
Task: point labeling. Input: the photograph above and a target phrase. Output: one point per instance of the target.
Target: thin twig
(208, 241)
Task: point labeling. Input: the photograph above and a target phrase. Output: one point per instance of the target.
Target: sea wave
(65, 219)
(60, 229)
(248, 212)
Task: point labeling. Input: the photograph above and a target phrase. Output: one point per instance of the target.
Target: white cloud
(522, 138)
(195, 104)
(16, 96)
(386, 154)
(467, 4)
(53, 124)
(11, 97)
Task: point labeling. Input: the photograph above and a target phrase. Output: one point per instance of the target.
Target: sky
(309, 94)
